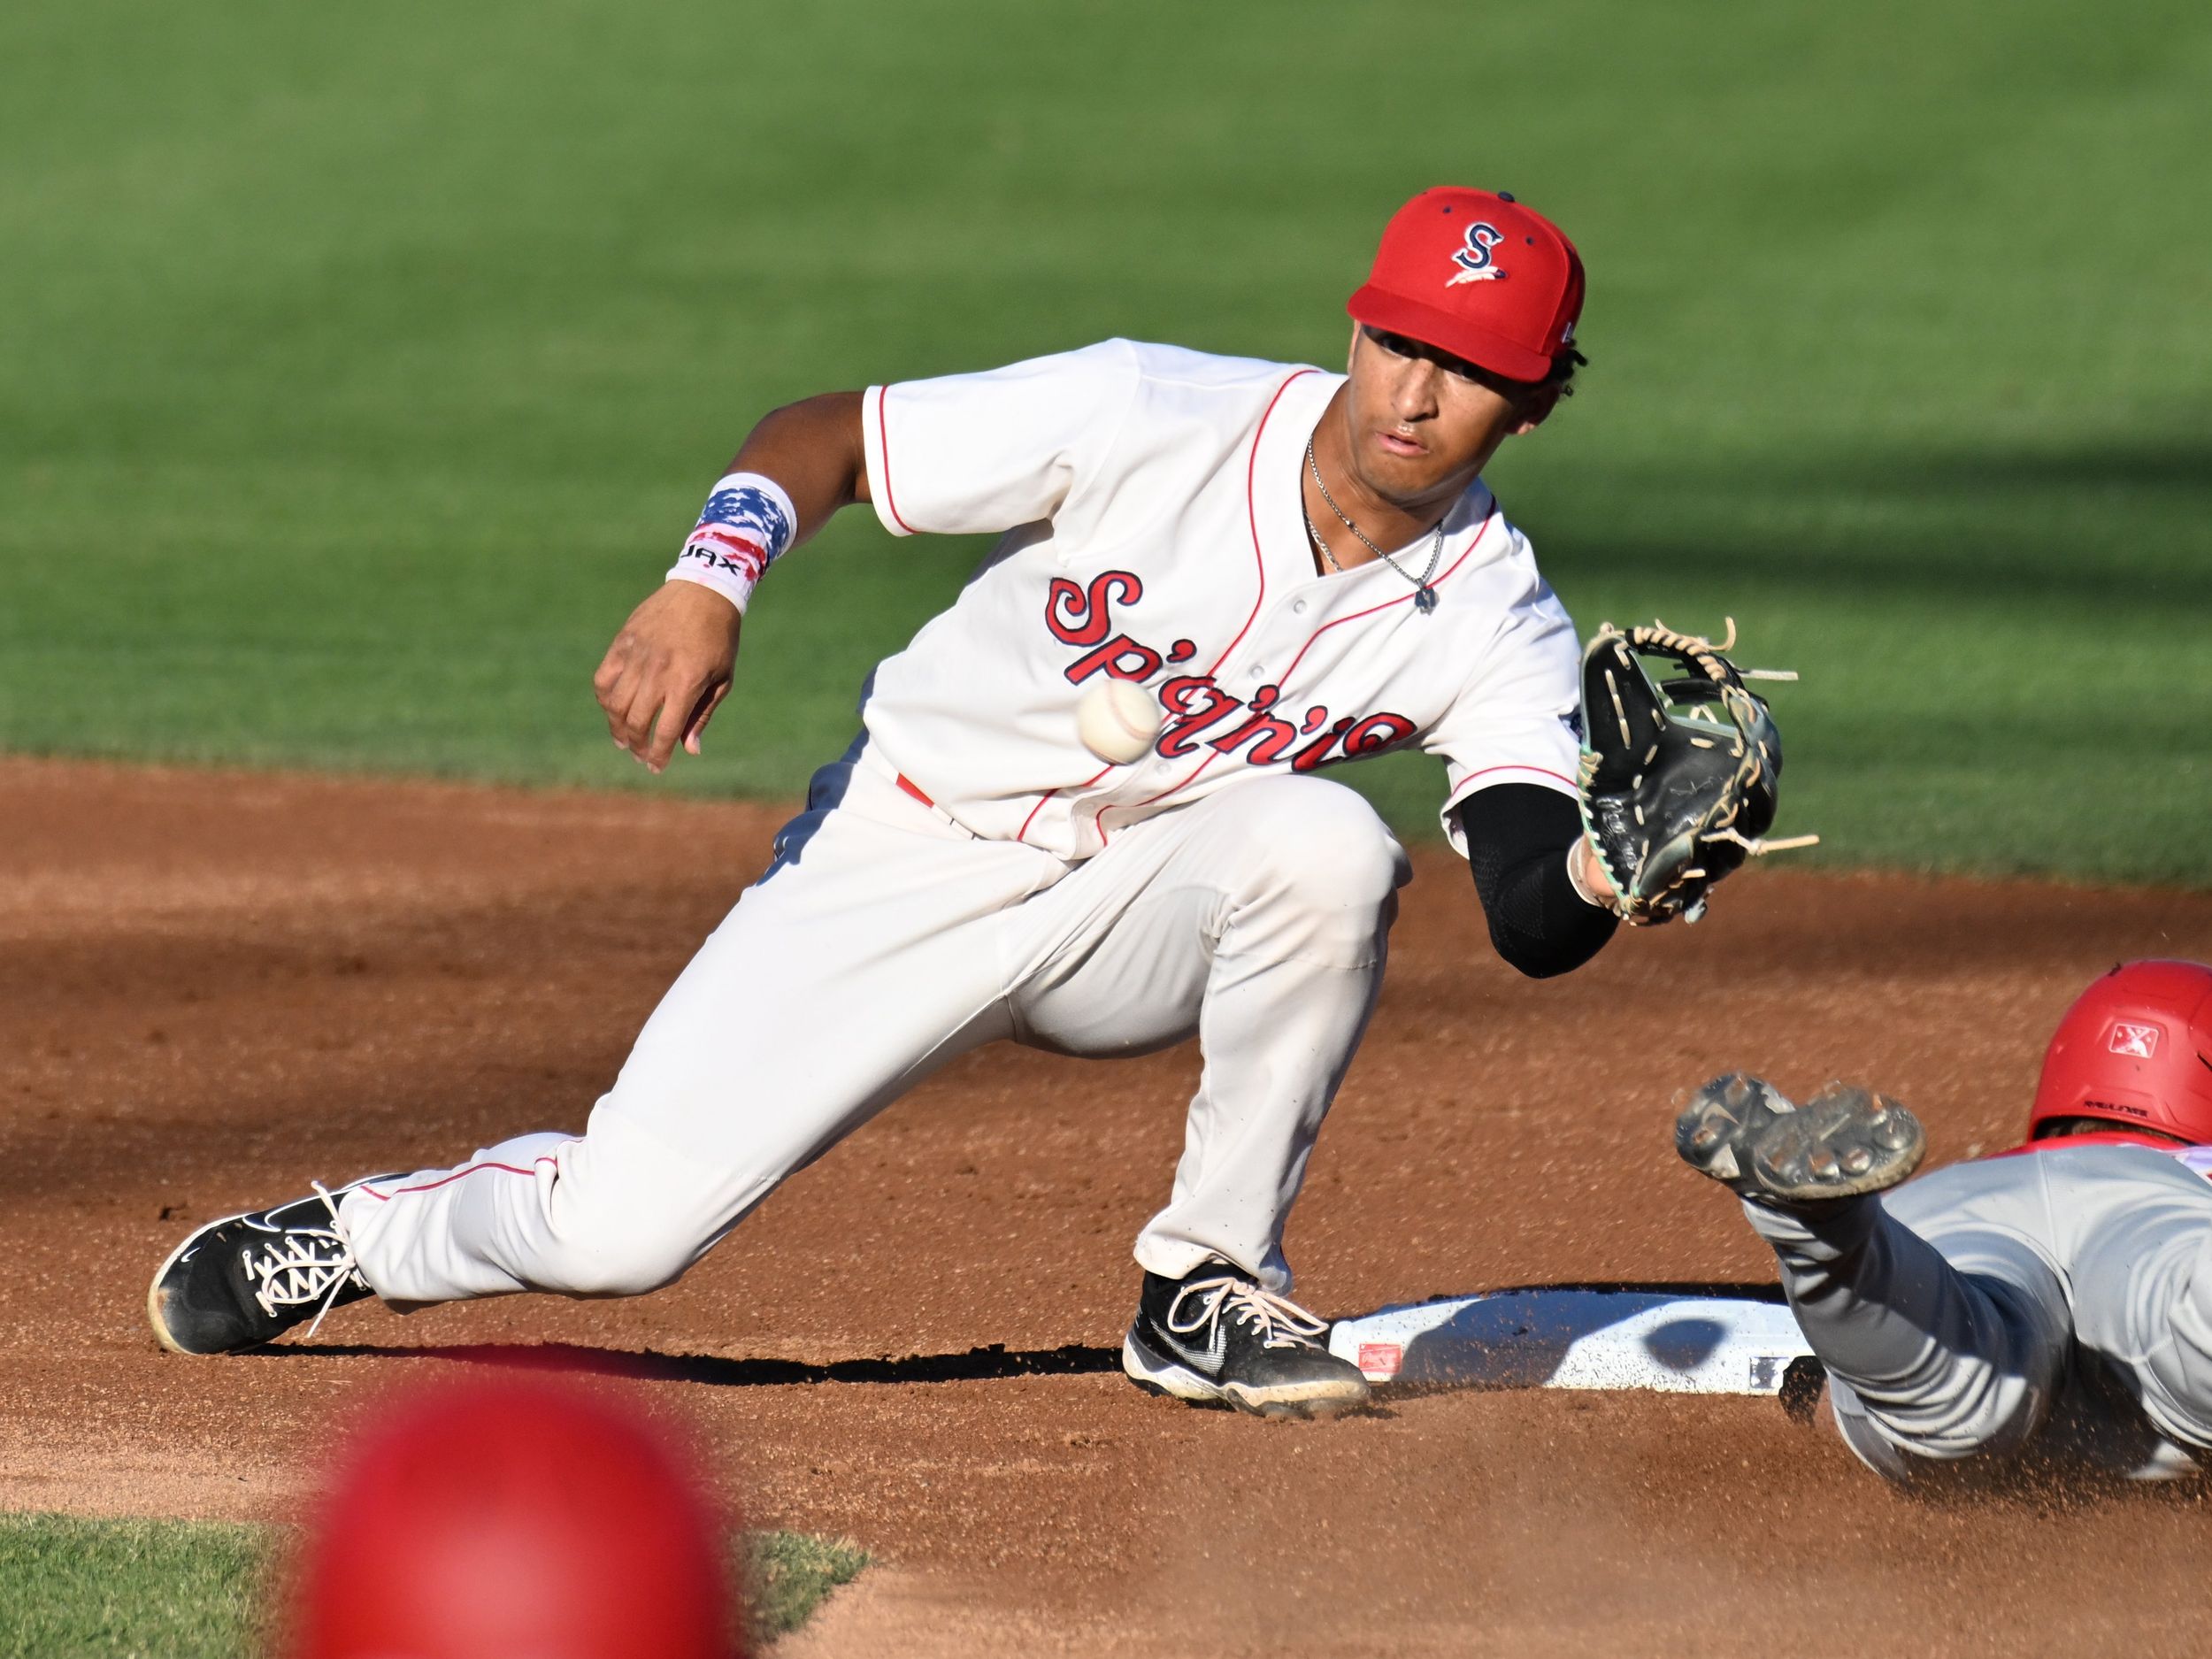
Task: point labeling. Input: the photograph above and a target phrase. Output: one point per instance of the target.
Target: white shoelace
(1281, 1322)
(302, 1265)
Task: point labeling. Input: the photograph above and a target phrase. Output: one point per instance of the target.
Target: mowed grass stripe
(360, 381)
(73, 1587)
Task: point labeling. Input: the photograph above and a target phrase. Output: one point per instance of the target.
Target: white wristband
(748, 524)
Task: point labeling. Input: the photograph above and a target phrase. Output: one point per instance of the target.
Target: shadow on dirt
(977, 1364)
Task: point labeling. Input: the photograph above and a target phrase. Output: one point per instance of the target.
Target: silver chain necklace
(1424, 595)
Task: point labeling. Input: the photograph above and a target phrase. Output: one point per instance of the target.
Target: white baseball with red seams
(970, 872)
(1118, 720)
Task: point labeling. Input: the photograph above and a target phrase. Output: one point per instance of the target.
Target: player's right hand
(667, 671)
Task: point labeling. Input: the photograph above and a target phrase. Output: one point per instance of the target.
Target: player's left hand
(1680, 777)
(668, 671)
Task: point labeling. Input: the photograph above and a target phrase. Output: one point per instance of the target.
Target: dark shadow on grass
(1858, 532)
(2153, 464)
(1905, 573)
(2144, 464)
(991, 1364)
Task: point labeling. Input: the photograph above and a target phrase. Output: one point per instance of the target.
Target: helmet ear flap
(2134, 1049)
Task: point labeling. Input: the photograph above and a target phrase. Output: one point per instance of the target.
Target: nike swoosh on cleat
(1209, 1358)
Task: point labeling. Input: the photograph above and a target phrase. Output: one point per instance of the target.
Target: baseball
(1118, 720)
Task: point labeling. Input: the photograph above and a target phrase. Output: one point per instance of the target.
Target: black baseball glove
(1678, 778)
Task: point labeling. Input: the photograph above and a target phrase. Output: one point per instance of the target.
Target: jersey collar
(1277, 482)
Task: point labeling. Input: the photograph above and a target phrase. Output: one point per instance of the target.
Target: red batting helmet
(2135, 1049)
(513, 1517)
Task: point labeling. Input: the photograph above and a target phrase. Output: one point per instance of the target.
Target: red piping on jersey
(1515, 765)
(455, 1175)
(883, 447)
(915, 789)
(1259, 560)
(1022, 833)
(1252, 517)
(1481, 530)
(1283, 679)
(1172, 787)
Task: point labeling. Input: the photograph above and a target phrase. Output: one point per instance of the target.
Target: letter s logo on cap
(1473, 260)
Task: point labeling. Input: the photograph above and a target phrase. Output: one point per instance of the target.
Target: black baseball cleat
(246, 1279)
(1843, 1142)
(1214, 1337)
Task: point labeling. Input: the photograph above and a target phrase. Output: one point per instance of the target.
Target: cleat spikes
(1842, 1143)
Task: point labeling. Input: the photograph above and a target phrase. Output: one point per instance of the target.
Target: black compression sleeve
(1517, 835)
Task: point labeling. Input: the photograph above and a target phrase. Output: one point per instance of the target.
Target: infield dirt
(214, 987)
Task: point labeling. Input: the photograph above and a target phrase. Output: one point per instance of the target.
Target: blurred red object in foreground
(518, 1518)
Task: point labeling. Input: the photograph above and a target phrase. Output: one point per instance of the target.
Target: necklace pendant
(1425, 599)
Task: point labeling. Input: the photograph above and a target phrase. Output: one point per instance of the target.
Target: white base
(1665, 1341)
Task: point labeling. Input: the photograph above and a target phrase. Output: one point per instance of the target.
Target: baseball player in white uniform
(1296, 568)
(2047, 1308)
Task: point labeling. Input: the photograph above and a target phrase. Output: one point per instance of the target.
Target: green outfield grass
(74, 1588)
(360, 366)
(175, 1589)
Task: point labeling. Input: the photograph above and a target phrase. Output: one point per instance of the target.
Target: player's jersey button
(1298, 606)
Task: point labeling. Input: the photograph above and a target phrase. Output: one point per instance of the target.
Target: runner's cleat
(245, 1280)
(1215, 1337)
(1843, 1142)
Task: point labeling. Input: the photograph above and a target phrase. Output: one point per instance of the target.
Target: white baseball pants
(883, 942)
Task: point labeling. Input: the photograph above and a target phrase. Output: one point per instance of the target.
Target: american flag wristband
(748, 524)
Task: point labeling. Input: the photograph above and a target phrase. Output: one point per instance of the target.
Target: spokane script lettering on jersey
(1200, 712)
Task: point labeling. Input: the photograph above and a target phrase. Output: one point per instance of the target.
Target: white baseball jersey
(1153, 498)
(1152, 501)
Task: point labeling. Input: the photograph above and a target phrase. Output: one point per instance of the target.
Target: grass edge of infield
(90, 1586)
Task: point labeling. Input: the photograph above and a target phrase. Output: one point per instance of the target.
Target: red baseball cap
(1477, 274)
